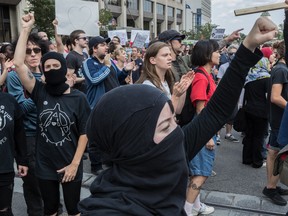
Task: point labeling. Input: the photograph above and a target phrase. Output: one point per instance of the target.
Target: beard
(101, 57)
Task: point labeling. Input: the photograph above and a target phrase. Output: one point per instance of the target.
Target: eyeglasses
(230, 54)
(36, 50)
(84, 38)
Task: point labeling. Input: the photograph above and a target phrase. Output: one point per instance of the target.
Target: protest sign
(77, 14)
(122, 34)
(141, 32)
(217, 34)
(139, 40)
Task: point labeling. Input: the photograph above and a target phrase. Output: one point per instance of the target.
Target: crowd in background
(49, 88)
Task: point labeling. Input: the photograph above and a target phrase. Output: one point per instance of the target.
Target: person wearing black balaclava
(135, 129)
(61, 135)
(56, 78)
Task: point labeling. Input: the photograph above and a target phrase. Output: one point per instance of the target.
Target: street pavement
(236, 190)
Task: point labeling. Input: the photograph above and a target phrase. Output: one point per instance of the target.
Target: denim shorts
(273, 144)
(202, 163)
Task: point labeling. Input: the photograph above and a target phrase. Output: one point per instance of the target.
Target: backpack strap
(202, 72)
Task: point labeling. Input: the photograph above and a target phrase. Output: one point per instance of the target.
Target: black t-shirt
(279, 75)
(10, 111)
(74, 61)
(61, 120)
(256, 98)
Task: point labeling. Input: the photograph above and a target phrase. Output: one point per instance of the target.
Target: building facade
(10, 13)
(198, 13)
(153, 15)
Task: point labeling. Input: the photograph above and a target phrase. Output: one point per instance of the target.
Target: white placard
(141, 32)
(139, 40)
(77, 14)
(217, 34)
(122, 34)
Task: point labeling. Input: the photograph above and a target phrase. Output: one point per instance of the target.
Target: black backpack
(188, 111)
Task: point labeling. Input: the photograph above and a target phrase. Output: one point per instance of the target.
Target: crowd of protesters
(117, 103)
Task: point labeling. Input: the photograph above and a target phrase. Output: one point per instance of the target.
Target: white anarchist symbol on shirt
(55, 125)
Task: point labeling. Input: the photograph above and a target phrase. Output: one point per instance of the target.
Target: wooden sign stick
(252, 10)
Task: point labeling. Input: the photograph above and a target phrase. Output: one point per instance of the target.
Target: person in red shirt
(205, 55)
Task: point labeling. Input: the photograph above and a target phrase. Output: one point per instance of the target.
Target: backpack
(188, 112)
(281, 165)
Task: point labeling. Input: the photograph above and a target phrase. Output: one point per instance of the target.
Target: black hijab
(145, 178)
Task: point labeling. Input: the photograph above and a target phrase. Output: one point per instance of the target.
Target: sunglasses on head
(36, 50)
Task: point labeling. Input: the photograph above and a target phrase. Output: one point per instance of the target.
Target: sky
(223, 14)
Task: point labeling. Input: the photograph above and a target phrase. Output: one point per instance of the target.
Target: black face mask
(55, 81)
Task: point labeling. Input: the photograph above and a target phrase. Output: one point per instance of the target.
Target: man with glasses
(76, 57)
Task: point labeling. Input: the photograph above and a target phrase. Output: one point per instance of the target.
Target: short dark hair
(75, 34)
(35, 39)
(202, 52)
(117, 38)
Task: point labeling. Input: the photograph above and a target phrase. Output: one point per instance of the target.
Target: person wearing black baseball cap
(174, 39)
(101, 75)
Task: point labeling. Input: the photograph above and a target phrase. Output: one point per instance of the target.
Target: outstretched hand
(263, 30)
(28, 20)
(233, 36)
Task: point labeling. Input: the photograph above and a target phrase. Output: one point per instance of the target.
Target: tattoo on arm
(193, 186)
(30, 75)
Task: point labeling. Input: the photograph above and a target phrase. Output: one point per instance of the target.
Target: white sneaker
(204, 210)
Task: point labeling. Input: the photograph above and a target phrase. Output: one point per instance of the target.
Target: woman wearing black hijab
(135, 128)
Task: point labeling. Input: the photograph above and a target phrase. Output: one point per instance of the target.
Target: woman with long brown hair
(157, 72)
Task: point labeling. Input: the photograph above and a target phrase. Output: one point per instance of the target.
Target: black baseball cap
(169, 35)
(97, 40)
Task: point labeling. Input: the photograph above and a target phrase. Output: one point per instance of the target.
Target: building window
(198, 17)
(179, 13)
(5, 31)
(114, 2)
(180, 1)
(146, 25)
(148, 6)
(170, 11)
(130, 22)
(133, 4)
(160, 9)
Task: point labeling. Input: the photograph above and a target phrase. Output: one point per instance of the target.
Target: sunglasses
(36, 50)
(84, 38)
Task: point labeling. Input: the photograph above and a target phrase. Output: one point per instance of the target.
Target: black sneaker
(282, 191)
(274, 196)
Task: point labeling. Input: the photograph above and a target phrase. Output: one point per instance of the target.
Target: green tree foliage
(200, 32)
(44, 11)
(105, 17)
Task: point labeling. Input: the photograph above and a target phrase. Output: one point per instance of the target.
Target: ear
(152, 60)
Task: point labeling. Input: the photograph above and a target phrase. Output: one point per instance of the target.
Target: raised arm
(220, 107)
(24, 73)
(58, 39)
